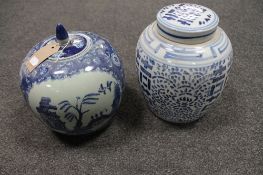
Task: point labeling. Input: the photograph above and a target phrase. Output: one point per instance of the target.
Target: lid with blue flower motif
(187, 20)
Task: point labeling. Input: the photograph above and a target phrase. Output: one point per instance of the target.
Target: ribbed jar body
(180, 81)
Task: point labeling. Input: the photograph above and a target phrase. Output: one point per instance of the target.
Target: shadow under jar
(183, 60)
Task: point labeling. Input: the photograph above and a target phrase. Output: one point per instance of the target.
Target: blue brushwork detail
(145, 71)
(48, 114)
(103, 88)
(170, 15)
(184, 22)
(218, 78)
(75, 112)
(169, 55)
(61, 32)
(147, 65)
(223, 47)
(117, 97)
(220, 70)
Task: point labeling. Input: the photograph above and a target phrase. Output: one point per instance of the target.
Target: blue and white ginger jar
(183, 60)
(78, 89)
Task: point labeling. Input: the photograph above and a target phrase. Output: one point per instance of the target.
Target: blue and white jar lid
(72, 44)
(187, 20)
(77, 46)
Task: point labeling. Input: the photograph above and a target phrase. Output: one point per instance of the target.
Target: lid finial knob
(61, 34)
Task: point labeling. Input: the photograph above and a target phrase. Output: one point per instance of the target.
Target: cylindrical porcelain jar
(78, 89)
(183, 60)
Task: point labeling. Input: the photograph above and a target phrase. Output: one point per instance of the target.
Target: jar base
(87, 132)
(178, 122)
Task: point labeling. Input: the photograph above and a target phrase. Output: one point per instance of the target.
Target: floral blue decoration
(48, 112)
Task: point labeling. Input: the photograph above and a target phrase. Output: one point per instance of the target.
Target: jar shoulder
(159, 48)
(101, 57)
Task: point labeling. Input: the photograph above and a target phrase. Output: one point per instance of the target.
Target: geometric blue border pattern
(181, 53)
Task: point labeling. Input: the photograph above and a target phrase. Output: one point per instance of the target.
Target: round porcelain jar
(78, 89)
(183, 60)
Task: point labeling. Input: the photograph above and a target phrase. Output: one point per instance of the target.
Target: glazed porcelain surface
(183, 61)
(78, 89)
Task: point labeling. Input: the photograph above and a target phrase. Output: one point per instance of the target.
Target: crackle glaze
(78, 89)
(183, 60)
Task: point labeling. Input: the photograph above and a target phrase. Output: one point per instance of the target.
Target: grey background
(228, 140)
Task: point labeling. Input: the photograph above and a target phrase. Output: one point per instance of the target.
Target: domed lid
(72, 44)
(187, 20)
(59, 47)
